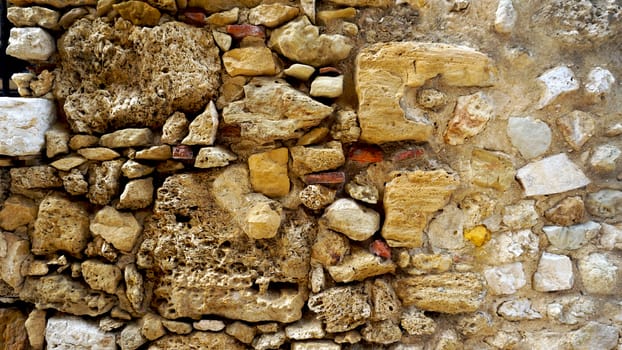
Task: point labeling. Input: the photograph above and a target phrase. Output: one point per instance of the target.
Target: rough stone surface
(352, 219)
(101, 276)
(33, 16)
(550, 175)
(594, 335)
(12, 332)
(17, 211)
(35, 326)
(505, 279)
(605, 203)
(517, 310)
(31, 44)
(330, 87)
(599, 82)
(98, 153)
(137, 194)
(117, 228)
(70, 332)
(14, 253)
(131, 137)
(341, 308)
(554, 273)
(530, 136)
(272, 15)
(604, 158)
(556, 81)
(268, 171)
(568, 211)
(249, 61)
(571, 237)
(138, 12)
(197, 341)
(23, 123)
(359, 265)
(577, 128)
(317, 158)
(104, 181)
(471, 114)
(133, 78)
(175, 128)
(213, 157)
(202, 130)
(599, 274)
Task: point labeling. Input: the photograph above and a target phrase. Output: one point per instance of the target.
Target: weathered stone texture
(12, 332)
(70, 332)
(197, 341)
(23, 123)
(145, 77)
(341, 308)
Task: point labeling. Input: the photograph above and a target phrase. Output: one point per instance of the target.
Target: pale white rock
(599, 274)
(599, 83)
(213, 157)
(305, 329)
(604, 158)
(605, 203)
(269, 341)
(556, 81)
(521, 215)
(554, 273)
(315, 345)
(31, 44)
(554, 174)
(23, 123)
(209, 325)
(327, 86)
(507, 247)
(505, 17)
(352, 219)
(34, 16)
(593, 336)
(532, 137)
(571, 237)
(611, 236)
(300, 71)
(577, 127)
(614, 130)
(202, 130)
(317, 280)
(440, 237)
(223, 40)
(505, 279)
(571, 309)
(117, 228)
(518, 310)
(73, 333)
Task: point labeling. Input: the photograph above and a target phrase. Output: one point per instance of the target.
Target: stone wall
(342, 174)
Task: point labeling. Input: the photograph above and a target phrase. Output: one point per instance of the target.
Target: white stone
(316, 345)
(439, 236)
(554, 174)
(611, 236)
(557, 81)
(510, 246)
(354, 220)
(532, 137)
(517, 310)
(599, 82)
(604, 158)
(305, 329)
(300, 71)
(571, 237)
(31, 44)
(521, 215)
(213, 157)
(269, 341)
(571, 309)
(327, 87)
(73, 333)
(554, 273)
(598, 274)
(593, 336)
(23, 123)
(505, 17)
(209, 325)
(505, 279)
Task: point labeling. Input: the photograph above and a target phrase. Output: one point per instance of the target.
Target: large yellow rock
(410, 199)
(268, 172)
(249, 61)
(384, 72)
(138, 12)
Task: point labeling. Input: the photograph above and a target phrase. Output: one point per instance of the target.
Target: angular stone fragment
(249, 61)
(272, 15)
(133, 169)
(300, 71)
(161, 152)
(554, 273)
(268, 172)
(262, 217)
(604, 158)
(505, 279)
(316, 197)
(554, 174)
(117, 228)
(61, 225)
(74, 183)
(416, 323)
(353, 220)
(505, 17)
(138, 12)
(385, 69)
(450, 292)
(330, 247)
(520, 215)
(224, 41)
(341, 308)
(317, 158)
(202, 130)
(127, 138)
(56, 142)
(410, 199)
(35, 177)
(137, 194)
(101, 276)
(598, 84)
(471, 114)
(359, 265)
(64, 294)
(492, 169)
(134, 286)
(272, 109)
(151, 326)
(175, 128)
(331, 87)
(346, 128)
(131, 337)
(23, 123)
(68, 163)
(302, 42)
(81, 141)
(577, 128)
(33, 16)
(35, 326)
(104, 181)
(241, 332)
(605, 203)
(532, 137)
(599, 274)
(213, 157)
(518, 310)
(13, 253)
(568, 211)
(571, 237)
(31, 44)
(17, 211)
(556, 81)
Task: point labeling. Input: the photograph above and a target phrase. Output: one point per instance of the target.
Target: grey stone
(532, 137)
(554, 174)
(23, 123)
(605, 203)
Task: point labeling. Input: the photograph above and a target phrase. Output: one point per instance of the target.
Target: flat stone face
(554, 174)
(23, 123)
(554, 273)
(70, 332)
(385, 69)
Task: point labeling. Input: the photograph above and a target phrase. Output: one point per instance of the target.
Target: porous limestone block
(577, 127)
(272, 15)
(175, 128)
(61, 225)
(316, 197)
(410, 199)
(352, 219)
(520, 215)
(101, 276)
(449, 292)
(554, 273)
(471, 114)
(317, 158)
(505, 279)
(566, 212)
(70, 332)
(532, 137)
(268, 171)
(269, 341)
(384, 70)
(202, 130)
(214, 157)
(381, 332)
(305, 329)
(416, 323)
(554, 174)
(384, 301)
(197, 341)
(323, 86)
(556, 81)
(359, 265)
(104, 181)
(23, 123)
(571, 237)
(249, 61)
(599, 273)
(346, 128)
(31, 44)
(241, 331)
(134, 286)
(341, 308)
(138, 12)
(505, 17)
(117, 228)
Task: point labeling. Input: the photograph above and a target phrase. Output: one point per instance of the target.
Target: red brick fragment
(239, 31)
(408, 154)
(182, 152)
(380, 248)
(333, 177)
(365, 154)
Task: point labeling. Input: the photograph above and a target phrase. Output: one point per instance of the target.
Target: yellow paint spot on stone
(478, 235)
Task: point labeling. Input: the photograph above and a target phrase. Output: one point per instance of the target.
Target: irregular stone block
(594, 335)
(568, 211)
(383, 332)
(505, 17)
(300, 71)
(605, 203)
(577, 128)
(518, 310)
(556, 81)
(160, 152)
(450, 292)
(131, 337)
(331, 87)
(471, 114)
(505, 279)
(134, 79)
(70, 332)
(241, 332)
(272, 109)
(532, 137)
(268, 172)
(272, 15)
(317, 158)
(119, 229)
(127, 138)
(17, 211)
(32, 178)
(31, 44)
(599, 83)
(151, 326)
(492, 169)
(98, 153)
(104, 181)
(101, 276)
(384, 72)
(137, 194)
(520, 215)
(305, 329)
(250, 61)
(554, 174)
(176, 127)
(604, 158)
(329, 247)
(13, 334)
(571, 237)
(410, 199)
(269, 341)
(197, 341)
(213, 157)
(64, 294)
(359, 265)
(599, 273)
(23, 123)
(341, 308)
(68, 163)
(416, 323)
(138, 12)
(202, 130)
(554, 273)
(33, 16)
(61, 225)
(13, 253)
(355, 221)
(35, 326)
(315, 345)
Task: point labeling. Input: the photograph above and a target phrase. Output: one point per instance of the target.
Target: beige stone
(568, 211)
(131, 337)
(104, 181)
(137, 194)
(71, 16)
(262, 218)
(13, 253)
(363, 3)
(82, 141)
(224, 17)
(61, 225)
(127, 138)
(202, 130)
(329, 247)
(471, 114)
(492, 169)
(33, 16)
(272, 15)
(429, 263)
(175, 128)
(31, 44)
(323, 86)
(68, 163)
(331, 15)
(249, 61)
(268, 172)
(56, 140)
(197, 341)
(177, 327)
(305, 329)
(241, 331)
(577, 128)
(316, 135)
(223, 40)
(317, 158)
(42, 85)
(359, 265)
(341, 308)
(382, 332)
(213, 157)
(151, 326)
(17, 211)
(35, 326)
(98, 153)
(35, 177)
(101, 276)
(352, 219)
(133, 169)
(316, 197)
(410, 199)
(135, 286)
(315, 345)
(384, 70)
(161, 152)
(300, 71)
(13, 334)
(416, 323)
(269, 341)
(450, 292)
(301, 41)
(138, 12)
(117, 228)
(74, 183)
(346, 128)
(166, 5)
(553, 174)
